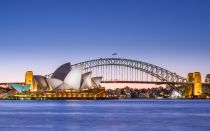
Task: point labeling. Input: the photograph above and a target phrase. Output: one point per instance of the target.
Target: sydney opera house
(63, 79)
(65, 82)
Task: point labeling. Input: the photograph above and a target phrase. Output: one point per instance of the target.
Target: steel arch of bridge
(160, 73)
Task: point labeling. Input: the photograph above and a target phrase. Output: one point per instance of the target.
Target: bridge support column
(198, 89)
(189, 88)
(29, 80)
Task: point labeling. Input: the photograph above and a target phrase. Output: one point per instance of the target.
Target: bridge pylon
(195, 89)
(198, 88)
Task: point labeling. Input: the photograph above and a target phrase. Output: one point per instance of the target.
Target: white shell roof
(73, 79)
(86, 80)
(96, 81)
(63, 86)
(54, 83)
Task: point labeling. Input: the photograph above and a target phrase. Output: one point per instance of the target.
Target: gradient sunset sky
(40, 35)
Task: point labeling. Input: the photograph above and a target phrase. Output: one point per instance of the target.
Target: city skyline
(41, 35)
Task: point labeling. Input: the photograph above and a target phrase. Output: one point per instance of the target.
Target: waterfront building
(207, 80)
(19, 88)
(64, 78)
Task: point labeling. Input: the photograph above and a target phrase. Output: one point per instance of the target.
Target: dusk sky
(40, 35)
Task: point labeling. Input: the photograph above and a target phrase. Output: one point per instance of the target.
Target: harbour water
(113, 115)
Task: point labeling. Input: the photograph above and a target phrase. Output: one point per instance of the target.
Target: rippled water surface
(117, 115)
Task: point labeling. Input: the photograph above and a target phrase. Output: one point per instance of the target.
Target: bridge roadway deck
(149, 82)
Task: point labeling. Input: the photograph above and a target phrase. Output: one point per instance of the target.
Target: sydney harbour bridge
(119, 70)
